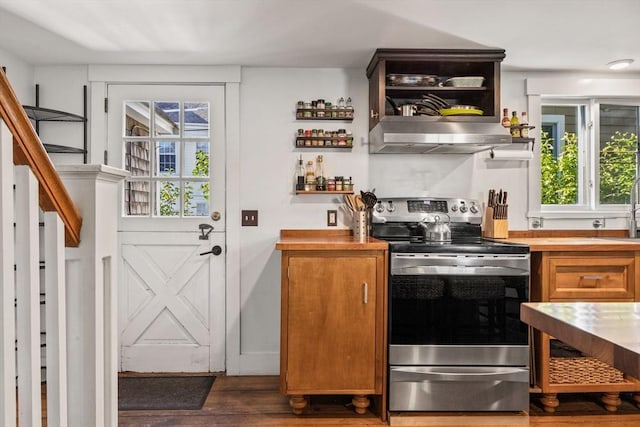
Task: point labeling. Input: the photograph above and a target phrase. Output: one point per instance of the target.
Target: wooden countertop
(609, 331)
(591, 244)
(314, 240)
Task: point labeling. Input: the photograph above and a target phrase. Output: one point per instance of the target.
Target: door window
(166, 148)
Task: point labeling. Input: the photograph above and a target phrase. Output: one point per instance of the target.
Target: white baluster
(7, 290)
(55, 309)
(28, 297)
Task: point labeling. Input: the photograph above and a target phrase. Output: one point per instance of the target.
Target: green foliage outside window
(170, 192)
(618, 168)
(559, 176)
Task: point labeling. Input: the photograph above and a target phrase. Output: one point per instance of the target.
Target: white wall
(20, 74)
(268, 98)
(268, 158)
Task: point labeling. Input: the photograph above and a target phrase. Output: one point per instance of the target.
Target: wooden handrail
(28, 150)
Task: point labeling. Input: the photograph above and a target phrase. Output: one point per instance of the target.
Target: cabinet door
(331, 324)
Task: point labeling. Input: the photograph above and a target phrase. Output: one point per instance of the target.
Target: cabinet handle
(374, 115)
(591, 281)
(365, 292)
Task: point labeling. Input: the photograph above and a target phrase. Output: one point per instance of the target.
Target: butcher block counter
(333, 318)
(585, 269)
(305, 240)
(583, 244)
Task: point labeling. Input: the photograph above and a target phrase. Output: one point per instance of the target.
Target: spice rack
(313, 111)
(324, 192)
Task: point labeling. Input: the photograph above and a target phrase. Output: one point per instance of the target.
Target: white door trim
(100, 75)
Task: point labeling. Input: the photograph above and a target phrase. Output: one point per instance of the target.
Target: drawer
(591, 278)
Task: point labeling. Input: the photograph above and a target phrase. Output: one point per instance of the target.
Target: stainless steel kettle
(438, 231)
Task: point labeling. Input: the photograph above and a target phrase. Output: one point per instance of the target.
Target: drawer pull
(589, 281)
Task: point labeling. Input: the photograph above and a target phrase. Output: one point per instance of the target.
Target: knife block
(495, 228)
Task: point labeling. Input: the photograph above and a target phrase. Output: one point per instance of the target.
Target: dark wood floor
(249, 401)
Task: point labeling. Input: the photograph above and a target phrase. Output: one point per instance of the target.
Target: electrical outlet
(249, 218)
(332, 218)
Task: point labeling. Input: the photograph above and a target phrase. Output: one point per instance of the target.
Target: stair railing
(29, 181)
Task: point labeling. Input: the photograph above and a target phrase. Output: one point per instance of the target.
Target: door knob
(215, 215)
(216, 250)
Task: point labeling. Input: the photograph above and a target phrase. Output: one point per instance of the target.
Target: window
(588, 152)
(166, 150)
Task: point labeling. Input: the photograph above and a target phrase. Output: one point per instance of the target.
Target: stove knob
(454, 208)
(473, 209)
(390, 206)
(379, 207)
(463, 208)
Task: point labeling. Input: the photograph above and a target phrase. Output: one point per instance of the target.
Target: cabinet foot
(549, 401)
(611, 401)
(361, 403)
(298, 403)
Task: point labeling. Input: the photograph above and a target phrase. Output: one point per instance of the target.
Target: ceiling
(576, 35)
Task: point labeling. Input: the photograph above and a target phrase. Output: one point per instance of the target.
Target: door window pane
(167, 118)
(196, 119)
(168, 202)
(618, 148)
(167, 155)
(136, 158)
(137, 121)
(196, 198)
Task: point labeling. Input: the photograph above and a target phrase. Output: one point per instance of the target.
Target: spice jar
(349, 138)
(299, 108)
(339, 183)
(307, 110)
(342, 137)
(349, 109)
(331, 184)
(320, 106)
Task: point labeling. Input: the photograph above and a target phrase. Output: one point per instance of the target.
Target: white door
(172, 225)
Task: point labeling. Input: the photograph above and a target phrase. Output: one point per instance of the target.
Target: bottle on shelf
(506, 122)
(310, 177)
(300, 175)
(515, 125)
(321, 180)
(524, 125)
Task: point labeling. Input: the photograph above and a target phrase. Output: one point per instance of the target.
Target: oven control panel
(423, 209)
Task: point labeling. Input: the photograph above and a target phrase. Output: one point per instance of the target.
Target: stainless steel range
(456, 342)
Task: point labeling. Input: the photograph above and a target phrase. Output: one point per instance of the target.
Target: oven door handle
(457, 270)
(420, 374)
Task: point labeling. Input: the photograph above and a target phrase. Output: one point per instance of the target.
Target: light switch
(332, 218)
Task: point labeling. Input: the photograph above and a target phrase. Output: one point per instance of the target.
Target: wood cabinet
(581, 276)
(333, 326)
(442, 64)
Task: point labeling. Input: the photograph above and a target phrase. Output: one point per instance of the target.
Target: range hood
(414, 135)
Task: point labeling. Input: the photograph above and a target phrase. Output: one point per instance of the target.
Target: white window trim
(613, 217)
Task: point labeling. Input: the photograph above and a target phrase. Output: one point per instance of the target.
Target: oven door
(456, 388)
(452, 300)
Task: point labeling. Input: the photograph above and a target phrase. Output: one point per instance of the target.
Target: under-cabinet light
(620, 64)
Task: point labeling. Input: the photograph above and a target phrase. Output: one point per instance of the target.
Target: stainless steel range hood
(415, 135)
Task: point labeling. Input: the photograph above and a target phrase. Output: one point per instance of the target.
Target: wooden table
(608, 331)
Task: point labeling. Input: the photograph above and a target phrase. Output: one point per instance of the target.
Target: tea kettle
(438, 231)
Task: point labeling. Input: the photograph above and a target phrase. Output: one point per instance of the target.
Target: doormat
(168, 393)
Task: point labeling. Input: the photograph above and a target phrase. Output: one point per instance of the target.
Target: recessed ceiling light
(620, 64)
